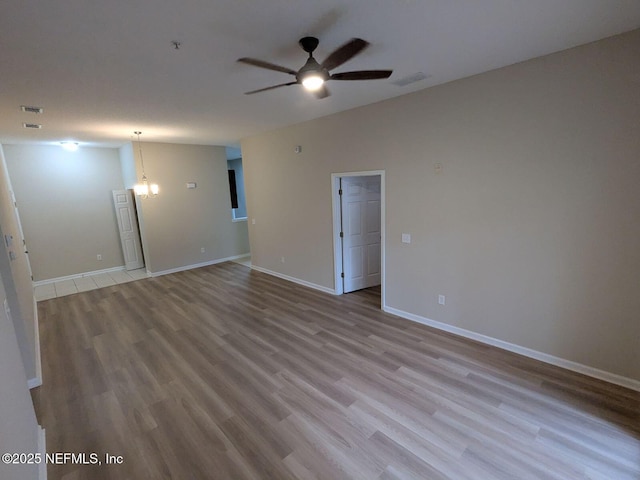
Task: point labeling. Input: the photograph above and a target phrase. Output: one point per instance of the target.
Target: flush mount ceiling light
(70, 146)
(144, 189)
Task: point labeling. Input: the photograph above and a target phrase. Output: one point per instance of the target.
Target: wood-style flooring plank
(227, 373)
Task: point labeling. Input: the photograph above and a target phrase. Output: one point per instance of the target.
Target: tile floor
(90, 282)
(246, 261)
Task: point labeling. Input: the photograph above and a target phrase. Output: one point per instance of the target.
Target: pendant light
(144, 189)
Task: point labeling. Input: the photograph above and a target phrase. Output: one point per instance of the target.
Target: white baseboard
(42, 448)
(294, 280)
(34, 382)
(37, 380)
(77, 275)
(527, 352)
(196, 265)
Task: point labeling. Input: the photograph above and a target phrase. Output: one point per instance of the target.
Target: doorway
(358, 230)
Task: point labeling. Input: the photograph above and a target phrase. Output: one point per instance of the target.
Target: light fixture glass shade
(70, 146)
(141, 189)
(312, 82)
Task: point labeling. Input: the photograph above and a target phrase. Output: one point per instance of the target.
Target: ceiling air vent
(414, 77)
(31, 109)
(31, 125)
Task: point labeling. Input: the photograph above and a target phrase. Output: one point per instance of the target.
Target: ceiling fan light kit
(313, 75)
(312, 82)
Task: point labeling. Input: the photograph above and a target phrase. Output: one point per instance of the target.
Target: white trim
(527, 352)
(34, 382)
(77, 275)
(37, 380)
(337, 249)
(195, 265)
(42, 448)
(295, 280)
(241, 219)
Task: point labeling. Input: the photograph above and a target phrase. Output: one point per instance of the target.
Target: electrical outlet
(406, 238)
(253, 221)
(99, 257)
(441, 299)
(202, 250)
(281, 259)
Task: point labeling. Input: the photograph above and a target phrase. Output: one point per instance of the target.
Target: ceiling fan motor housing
(309, 44)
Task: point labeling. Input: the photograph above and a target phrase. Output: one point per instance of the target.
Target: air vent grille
(31, 125)
(415, 77)
(31, 109)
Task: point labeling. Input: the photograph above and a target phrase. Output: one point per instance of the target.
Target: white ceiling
(102, 69)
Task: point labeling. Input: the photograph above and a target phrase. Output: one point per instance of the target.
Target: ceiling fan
(313, 75)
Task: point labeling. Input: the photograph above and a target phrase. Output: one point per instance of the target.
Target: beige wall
(17, 277)
(66, 207)
(180, 221)
(531, 230)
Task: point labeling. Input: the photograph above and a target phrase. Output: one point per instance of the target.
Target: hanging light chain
(141, 158)
(143, 189)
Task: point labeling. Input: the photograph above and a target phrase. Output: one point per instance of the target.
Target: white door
(361, 232)
(24, 243)
(128, 226)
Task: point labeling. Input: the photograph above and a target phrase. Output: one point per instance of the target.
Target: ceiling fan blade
(270, 88)
(344, 53)
(362, 75)
(322, 92)
(269, 66)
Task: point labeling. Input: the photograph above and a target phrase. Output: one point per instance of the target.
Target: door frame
(337, 218)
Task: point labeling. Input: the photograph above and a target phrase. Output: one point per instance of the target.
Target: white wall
(531, 230)
(179, 221)
(18, 426)
(17, 278)
(66, 207)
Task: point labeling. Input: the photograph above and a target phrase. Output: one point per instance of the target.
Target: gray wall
(17, 277)
(531, 230)
(180, 221)
(128, 166)
(66, 207)
(18, 425)
(18, 355)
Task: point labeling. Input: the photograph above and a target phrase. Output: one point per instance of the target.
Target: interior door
(128, 226)
(361, 232)
(24, 243)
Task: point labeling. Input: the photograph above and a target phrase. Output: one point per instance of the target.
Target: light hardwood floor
(227, 373)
